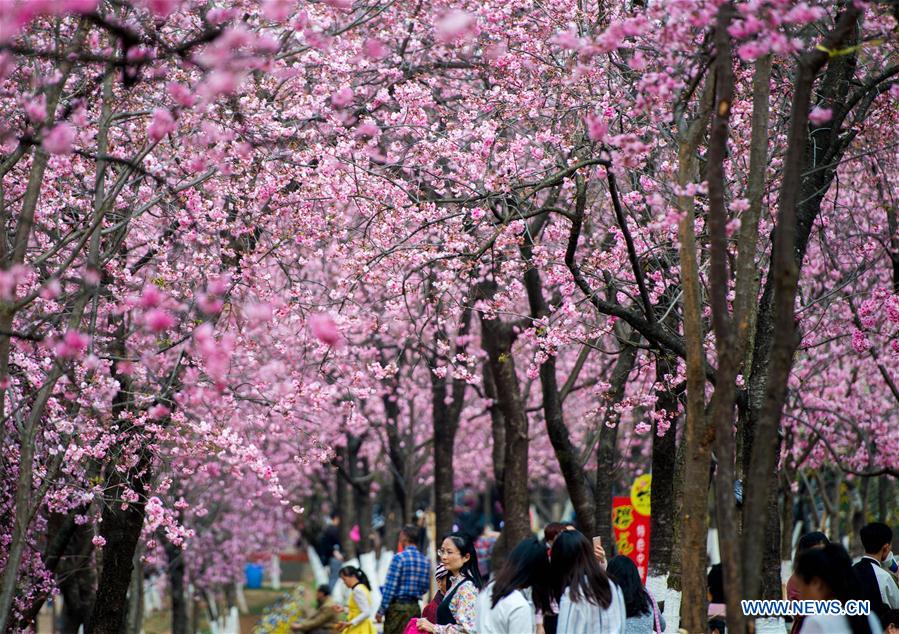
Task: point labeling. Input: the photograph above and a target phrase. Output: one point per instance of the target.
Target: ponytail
(353, 571)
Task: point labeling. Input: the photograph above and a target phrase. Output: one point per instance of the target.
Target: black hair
(716, 584)
(574, 567)
(891, 617)
(552, 530)
(324, 589)
(810, 540)
(412, 533)
(465, 544)
(353, 571)
(832, 566)
(624, 572)
(717, 625)
(875, 535)
(527, 566)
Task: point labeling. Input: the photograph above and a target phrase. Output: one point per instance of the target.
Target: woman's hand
(425, 625)
(600, 553)
(342, 626)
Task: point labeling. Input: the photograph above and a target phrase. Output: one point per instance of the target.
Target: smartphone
(597, 541)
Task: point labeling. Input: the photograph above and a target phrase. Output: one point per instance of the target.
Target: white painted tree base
(672, 610)
(771, 626)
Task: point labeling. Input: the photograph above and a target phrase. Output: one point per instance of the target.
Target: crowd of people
(560, 583)
(563, 584)
(823, 571)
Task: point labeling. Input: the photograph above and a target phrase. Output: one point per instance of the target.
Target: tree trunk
(177, 587)
(498, 429)
(121, 529)
(135, 620)
(344, 507)
(444, 474)
(397, 453)
(804, 185)
(697, 436)
(607, 453)
(77, 579)
(497, 338)
(362, 502)
(566, 453)
(663, 495)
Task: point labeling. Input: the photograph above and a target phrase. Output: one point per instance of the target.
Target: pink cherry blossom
(455, 25)
(59, 139)
(151, 297)
(158, 320)
(162, 8)
(181, 94)
(36, 109)
(819, 115)
(278, 10)
(597, 128)
(343, 5)
(162, 124)
(158, 412)
(342, 98)
(324, 328)
(72, 345)
(375, 49)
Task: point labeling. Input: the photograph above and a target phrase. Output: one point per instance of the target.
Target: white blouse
(366, 609)
(583, 617)
(513, 614)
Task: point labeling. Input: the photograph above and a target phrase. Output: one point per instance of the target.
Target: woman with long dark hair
(643, 616)
(589, 603)
(824, 574)
(815, 539)
(502, 605)
(457, 613)
(361, 609)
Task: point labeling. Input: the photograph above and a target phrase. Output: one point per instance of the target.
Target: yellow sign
(640, 494)
(622, 517)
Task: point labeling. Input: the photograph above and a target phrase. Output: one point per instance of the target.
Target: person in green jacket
(324, 618)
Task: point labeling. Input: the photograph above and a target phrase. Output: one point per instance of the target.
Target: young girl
(360, 606)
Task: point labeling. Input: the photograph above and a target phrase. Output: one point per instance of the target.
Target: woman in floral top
(457, 612)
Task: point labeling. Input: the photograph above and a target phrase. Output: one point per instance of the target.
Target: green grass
(257, 600)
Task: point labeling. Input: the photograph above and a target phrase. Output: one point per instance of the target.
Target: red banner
(631, 533)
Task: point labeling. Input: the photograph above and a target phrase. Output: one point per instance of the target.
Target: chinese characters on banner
(630, 522)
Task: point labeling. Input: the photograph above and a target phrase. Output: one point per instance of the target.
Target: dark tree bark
(361, 475)
(498, 429)
(664, 467)
(121, 529)
(566, 453)
(343, 502)
(803, 187)
(497, 338)
(445, 418)
(175, 557)
(607, 452)
(77, 578)
(135, 619)
(398, 444)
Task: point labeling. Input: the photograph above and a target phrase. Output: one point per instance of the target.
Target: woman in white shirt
(589, 603)
(503, 607)
(825, 574)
